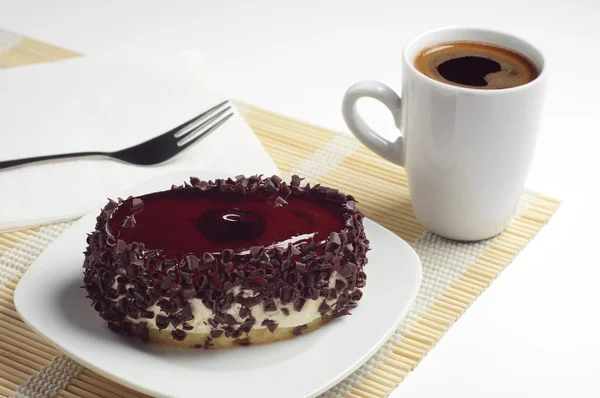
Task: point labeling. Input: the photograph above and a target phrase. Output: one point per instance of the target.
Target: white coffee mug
(466, 151)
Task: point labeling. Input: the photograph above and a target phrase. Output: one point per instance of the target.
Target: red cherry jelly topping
(189, 221)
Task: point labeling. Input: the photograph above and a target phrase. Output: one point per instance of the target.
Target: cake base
(255, 336)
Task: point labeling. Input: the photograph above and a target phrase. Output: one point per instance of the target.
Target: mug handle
(392, 151)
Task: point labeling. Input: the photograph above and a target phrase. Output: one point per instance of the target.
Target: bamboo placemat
(454, 273)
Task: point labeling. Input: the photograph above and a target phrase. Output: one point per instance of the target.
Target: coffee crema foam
(476, 65)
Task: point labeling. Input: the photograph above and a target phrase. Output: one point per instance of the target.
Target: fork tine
(179, 130)
(188, 143)
(189, 133)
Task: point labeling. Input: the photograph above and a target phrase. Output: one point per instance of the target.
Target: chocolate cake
(226, 262)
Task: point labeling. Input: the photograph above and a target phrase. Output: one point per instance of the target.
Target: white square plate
(50, 300)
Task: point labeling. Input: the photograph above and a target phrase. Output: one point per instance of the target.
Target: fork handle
(17, 162)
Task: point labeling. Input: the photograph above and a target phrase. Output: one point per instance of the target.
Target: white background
(536, 330)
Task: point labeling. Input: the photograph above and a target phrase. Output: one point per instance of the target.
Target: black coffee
(476, 65)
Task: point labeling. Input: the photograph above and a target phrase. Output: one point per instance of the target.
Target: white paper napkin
(105, 104)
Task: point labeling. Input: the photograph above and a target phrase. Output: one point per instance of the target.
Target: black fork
(157, 149)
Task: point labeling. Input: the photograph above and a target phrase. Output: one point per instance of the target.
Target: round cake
(214, 264)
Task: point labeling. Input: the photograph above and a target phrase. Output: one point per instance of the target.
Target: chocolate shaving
(165, 283)
(123, 305)
(256, 251)
(334, 237)
(279, 201)
(313, 293)
(208, 258)
(244, 342)
(136, 204)
(295, 181)
(300, 266)
(187, 277)
(178, 334)
(276, 180)
(297, 331)
(162, 322)
(270, 324)
(121, 246)
(192, 262)
(270, 305)
(111, 205)
(294, 250)
(340, 285)
(226, 319)
(186, 312)
(346, 271)
(226, 255)
(271, 188)
(236, 333)
(175, 320)
(357, 295)
(299, 304)
(129, 222)
(142, 331)
(324, 308)
(244, 312)
(216, 333)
